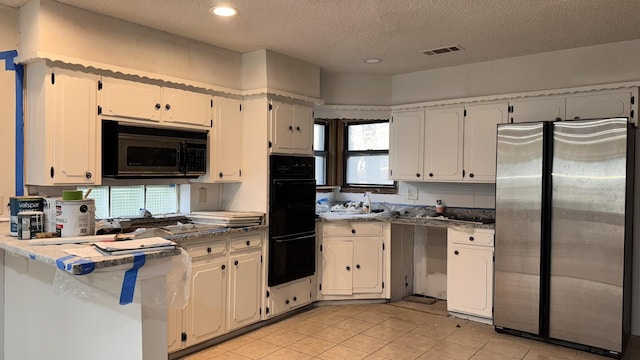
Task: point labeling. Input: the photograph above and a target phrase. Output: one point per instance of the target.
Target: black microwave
(131, 151)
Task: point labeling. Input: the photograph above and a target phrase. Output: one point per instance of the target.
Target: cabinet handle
(417, 175)
(221, 174)
(168, 107)
(471, 175)
(290, 128)
(286, 301)
(348, 268)
(358, 266)
(471, 238)
(248, 243)
(235, 263)
(88, 175)
(298, 128)
(295, 298)
(456, 252)
(430, 174)
(208, 250)
(576, 118)
(558, 119)
(353, 231)
(158, 106)
(223, 266)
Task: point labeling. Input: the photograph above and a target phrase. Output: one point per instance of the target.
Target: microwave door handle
(182, 155)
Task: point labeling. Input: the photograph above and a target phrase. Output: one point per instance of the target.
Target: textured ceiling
(338, 34)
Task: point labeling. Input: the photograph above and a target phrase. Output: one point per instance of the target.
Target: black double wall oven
(292, 236)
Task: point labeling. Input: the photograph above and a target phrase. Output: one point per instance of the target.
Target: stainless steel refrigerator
(564, 207)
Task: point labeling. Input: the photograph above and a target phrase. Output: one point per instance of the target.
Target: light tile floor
(383, 332)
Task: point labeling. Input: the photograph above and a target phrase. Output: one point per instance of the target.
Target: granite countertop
(55, 255)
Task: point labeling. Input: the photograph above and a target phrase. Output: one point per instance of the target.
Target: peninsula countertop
(55, 255)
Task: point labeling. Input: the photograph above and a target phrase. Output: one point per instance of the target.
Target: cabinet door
(540, 109)
(480, 126)
(470, 279)
(174, 330)
(595, 106)
(406, 146)
(337, 264)
(245, 289)
(130, 99)
(226, 141)
(300, 293)
(443, 149)
(302, 129)
(74, 121)
(281, 127)
(187, 107)
(367, 265)
(206, 312)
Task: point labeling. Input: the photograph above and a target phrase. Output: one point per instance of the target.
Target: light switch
(412, 192)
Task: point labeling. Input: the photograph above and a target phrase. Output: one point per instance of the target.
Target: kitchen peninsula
(48, 314)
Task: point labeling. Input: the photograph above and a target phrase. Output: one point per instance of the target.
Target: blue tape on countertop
(9, 64)
(130, 277)
(86, 265)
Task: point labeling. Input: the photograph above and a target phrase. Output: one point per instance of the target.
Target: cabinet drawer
(244, 243)
(353, 229)
(207, 250)
(481, 237)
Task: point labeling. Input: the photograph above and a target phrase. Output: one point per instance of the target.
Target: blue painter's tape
(60, 262)
(130, 277)
(86, 266)
(8, 57)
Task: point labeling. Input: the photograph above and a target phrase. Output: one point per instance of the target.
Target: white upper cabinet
(145, 102)
(600, 105)
(537, 109)
(61, 127)
(187, 107)
(406, 148)
(225, 142)
(291, 128)
(443, 146)
(480, 126)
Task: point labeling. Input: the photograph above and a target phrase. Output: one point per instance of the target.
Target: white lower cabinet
(283, 298)
(353, 261)
(225, 288)
(470, 272)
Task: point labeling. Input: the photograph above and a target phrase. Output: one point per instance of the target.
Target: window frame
(336, 158)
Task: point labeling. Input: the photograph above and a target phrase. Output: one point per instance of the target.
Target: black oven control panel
(292, 167)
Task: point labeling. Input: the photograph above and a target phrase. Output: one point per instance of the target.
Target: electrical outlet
(412, 192)
(202, 194)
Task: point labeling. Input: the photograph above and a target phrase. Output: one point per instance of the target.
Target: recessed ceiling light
(223, 11)
(372, 60)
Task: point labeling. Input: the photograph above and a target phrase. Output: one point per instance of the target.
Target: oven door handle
(294, 237)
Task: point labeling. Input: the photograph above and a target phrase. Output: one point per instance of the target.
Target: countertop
(410, 220)
(55, 255)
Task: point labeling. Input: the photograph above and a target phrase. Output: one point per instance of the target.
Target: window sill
(373, 190)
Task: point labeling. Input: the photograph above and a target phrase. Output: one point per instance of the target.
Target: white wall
(592, 65)
(8, 41)
(53, 28)
(341, 89)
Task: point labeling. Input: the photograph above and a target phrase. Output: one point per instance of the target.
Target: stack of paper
(134, 246)
(228, 218)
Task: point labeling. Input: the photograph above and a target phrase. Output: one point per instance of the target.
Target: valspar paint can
(75, 217)
(22, 203)
(29, 224)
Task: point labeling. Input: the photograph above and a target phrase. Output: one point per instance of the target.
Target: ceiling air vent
(443, 50)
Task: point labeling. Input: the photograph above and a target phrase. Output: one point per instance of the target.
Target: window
(353, 154)
(320, 150)
(366, 154)
(121, 201)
